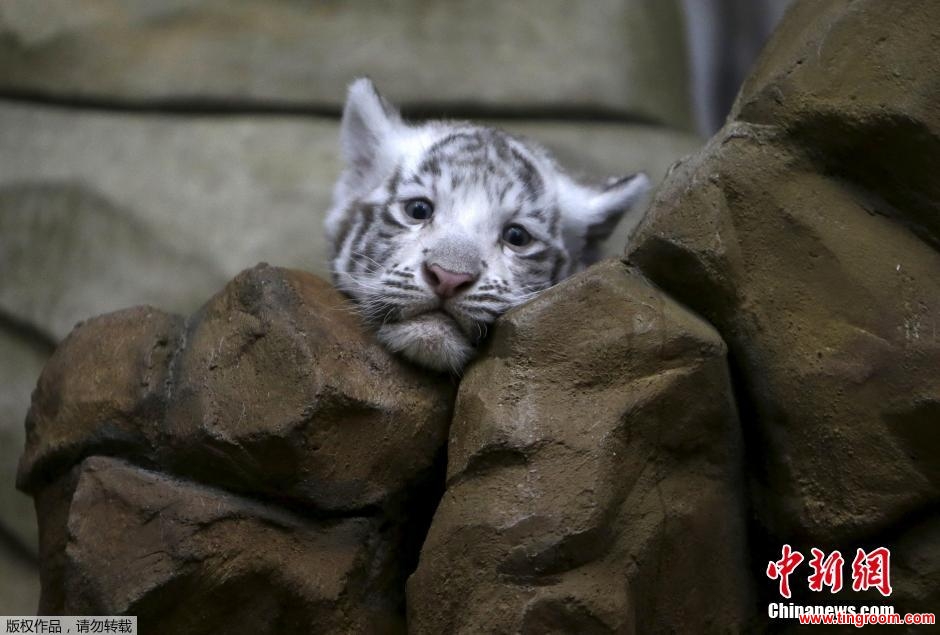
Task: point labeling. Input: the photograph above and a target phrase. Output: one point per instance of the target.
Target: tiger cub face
(439, 228)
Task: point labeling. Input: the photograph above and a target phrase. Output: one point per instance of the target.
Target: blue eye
(419, 208)
(516, 236)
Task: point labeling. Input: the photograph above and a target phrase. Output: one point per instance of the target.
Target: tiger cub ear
(605, 209)
(591, 213)
(369, 133)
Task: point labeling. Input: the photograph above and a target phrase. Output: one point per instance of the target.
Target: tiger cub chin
(439, 228)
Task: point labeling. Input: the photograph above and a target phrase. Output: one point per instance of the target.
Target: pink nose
(447, 284)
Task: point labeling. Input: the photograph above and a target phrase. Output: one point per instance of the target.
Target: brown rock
(275, 389)
(915, 565)
(814, 254)
(272, 391)
(281, 392)
(592, 471)
(102, 392)
(137, 542)
(855, 85)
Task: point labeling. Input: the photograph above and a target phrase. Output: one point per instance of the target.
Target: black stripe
(366, 216)
(393, 183)
(538, 214)
(531, 179)
(415, 179)
(504, 191)
(560, 260)
(431, 165)
(402, 285)
(387, 249)
(389, 219)
(370, 251)
(484, 297)
(553, 224)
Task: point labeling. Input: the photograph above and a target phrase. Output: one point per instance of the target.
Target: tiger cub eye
(516, 235)
(419, 208)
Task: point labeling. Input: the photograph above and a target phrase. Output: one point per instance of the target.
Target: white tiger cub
(439, 228)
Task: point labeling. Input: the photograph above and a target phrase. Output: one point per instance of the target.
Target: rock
(168, 208)
(593, 470)
(273, 388)
(103, 391)
(280, 391)
(135, 539)
(854, 84)
(621, 58)
(272, 392)
(818, 273)
(915, 562)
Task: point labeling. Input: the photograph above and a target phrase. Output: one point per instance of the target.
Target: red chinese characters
(783, 568)
(826, 571)
(872, 569)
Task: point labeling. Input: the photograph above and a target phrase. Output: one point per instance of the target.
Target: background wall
(150, 151)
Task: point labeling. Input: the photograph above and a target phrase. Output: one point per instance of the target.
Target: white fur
(468, 222)
(431, 340)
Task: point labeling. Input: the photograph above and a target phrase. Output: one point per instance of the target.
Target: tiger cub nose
(447, 284)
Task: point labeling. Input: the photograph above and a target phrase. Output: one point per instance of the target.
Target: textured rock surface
(273, 392)
(163, 210)
(593, 470)
(916, 566)
(854, 84)
(103, 391)
(807, 232)
(132, 540)
(624, 56)
(280, 391)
